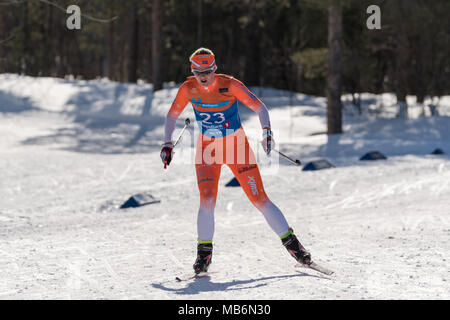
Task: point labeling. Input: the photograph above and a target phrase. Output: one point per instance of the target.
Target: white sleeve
(169, 128)
(263, 115)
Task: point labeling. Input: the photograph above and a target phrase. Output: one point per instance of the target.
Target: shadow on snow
(205, 284)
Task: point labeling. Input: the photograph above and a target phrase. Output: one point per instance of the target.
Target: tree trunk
(401, 65)
(401, 75)
(334, 80)
(24, 63)
(252, 51)
(121, 66)
(111, 72)
(298, 78)
(199, 23)
(2, 38)
(134, 45)
(45, 65)
(157, 78)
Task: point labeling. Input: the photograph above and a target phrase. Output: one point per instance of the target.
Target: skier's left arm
(243, 94)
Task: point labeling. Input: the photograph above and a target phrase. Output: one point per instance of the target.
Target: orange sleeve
(180, 102)
(241, 92)
(178, 105)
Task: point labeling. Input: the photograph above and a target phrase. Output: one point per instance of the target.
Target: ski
(191, 277)
(316, 267)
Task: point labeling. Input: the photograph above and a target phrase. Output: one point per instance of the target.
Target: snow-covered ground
(73, 151)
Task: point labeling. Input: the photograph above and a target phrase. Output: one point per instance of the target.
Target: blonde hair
(200, 51)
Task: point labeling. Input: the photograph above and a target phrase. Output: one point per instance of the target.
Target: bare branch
(7, 3)
(5, 40)
(83, 15)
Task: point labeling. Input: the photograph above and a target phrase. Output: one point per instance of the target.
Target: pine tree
(334, 82)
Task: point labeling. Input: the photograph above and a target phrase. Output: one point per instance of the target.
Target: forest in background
(271, 43)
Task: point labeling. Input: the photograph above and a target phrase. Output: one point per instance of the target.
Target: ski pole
(186, 123)
(296, 161)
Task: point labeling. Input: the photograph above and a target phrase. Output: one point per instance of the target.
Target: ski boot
(296, 249)
(204, 255)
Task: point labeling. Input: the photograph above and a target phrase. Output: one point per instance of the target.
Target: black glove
(167, 153)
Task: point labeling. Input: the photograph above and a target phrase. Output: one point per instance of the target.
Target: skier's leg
(247, 173)
(208, 173)
(207, 180)
(250, 179)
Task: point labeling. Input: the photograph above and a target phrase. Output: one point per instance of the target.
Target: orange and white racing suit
(222, 140)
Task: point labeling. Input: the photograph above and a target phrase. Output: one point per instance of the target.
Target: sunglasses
(199, 73)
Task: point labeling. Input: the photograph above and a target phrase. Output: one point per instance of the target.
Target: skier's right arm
(176, 109)
(243, 94)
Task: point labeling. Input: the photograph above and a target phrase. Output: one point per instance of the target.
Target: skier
(214, 98)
